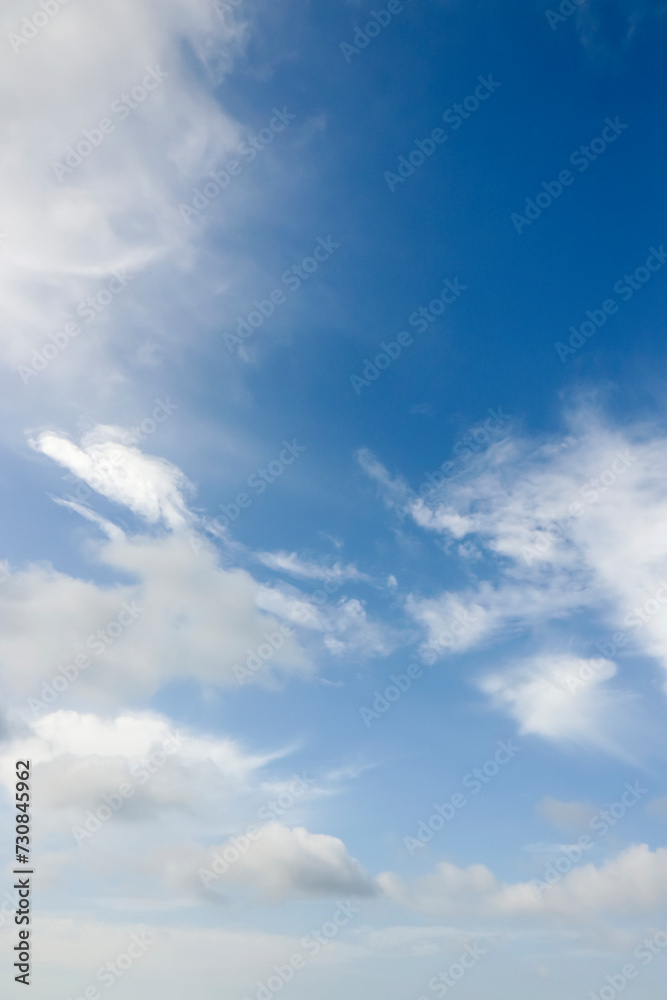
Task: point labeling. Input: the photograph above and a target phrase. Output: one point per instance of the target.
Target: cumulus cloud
(285, 863)
(182, 617)
(634, 882)
(547, 696)
(77, 758)
(202, 785)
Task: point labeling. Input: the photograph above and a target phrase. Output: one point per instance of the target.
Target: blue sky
(346, 468)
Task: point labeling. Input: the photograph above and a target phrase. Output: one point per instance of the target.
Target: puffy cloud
(634, 882)
(285, 863)
(203, 784)
(547, 696)
(77, 759)
(457, 622)
(183, 617)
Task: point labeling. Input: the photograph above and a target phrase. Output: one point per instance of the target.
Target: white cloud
(455, 622)
(293, 565)
(562, 526)
(634, 882)
(284, 863)
(151, 487)
(183, 617)
(110, 529)
(343, 621)
(547, 697)
(118, 209)
(185, 789)
(78, 758)
(393, 490)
